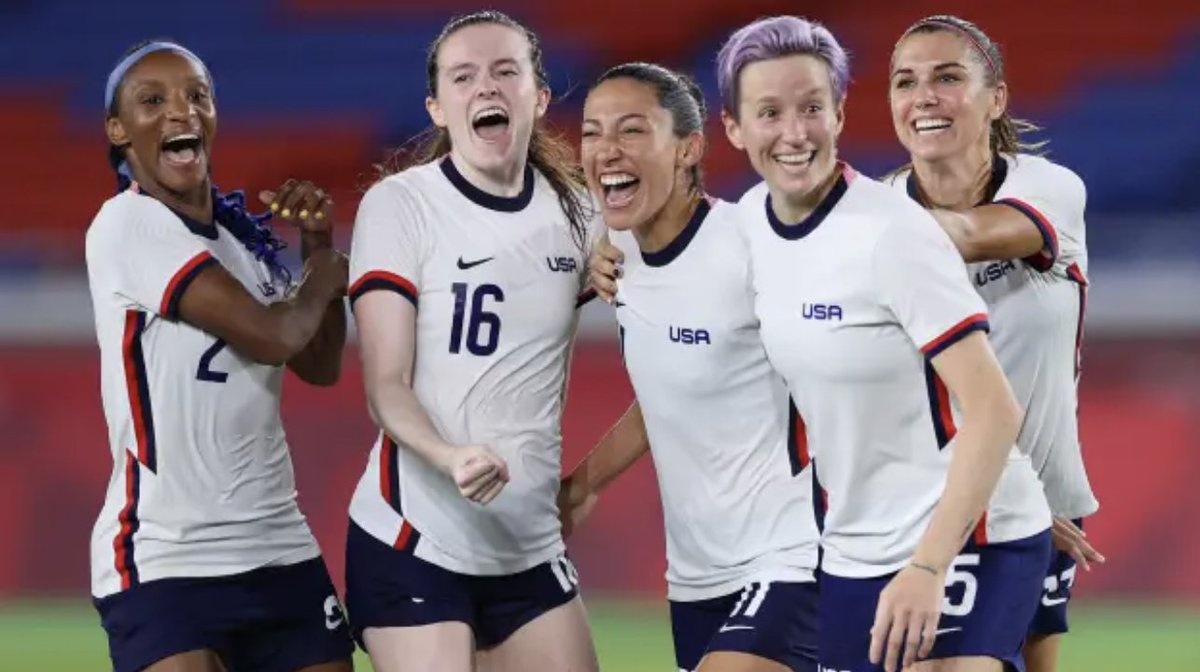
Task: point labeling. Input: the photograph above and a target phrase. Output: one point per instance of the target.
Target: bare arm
(613, 454)
(994, 231)
(387, 342)
(217, 303)
(320, 362)
(991, 419)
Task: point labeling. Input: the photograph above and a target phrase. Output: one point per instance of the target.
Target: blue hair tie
(253, 231)
(118, 73)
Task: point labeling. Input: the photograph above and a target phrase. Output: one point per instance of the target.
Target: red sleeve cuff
(976, 322)
(169, 307)
(383, 280)
(1044, 259)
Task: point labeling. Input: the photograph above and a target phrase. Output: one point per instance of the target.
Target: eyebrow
(940, 66)
(472, 66)
(622, 118)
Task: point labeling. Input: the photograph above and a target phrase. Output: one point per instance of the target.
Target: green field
(634, 637)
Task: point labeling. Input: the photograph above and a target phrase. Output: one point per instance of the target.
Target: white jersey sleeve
(386, 249)
(1053, 198)
(168, 256)
(920, 278)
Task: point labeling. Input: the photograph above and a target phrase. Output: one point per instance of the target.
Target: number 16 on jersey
(476, 319)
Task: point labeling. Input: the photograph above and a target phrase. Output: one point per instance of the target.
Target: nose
(487, 86)
(794, 129)
(925, 97)
(179, 107)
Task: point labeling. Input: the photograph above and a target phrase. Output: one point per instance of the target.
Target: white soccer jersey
(202, 483)
(737, 498)
(854, 302)
(1036, 308)
(496, 282)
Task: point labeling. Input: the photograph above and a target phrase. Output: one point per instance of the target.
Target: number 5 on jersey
(476, 320)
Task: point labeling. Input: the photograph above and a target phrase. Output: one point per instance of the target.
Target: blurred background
(321, 88)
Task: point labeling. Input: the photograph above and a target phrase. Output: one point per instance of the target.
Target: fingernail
(274, 207)
(286, 213)
(319, 215)
(618, 272)
(304, 214)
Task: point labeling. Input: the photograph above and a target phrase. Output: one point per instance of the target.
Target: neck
(196, 204)
(795, 208)
(957, 182)
(666, 224)
(506, 181)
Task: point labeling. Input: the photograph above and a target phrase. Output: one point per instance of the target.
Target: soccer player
(201, 559)
(467, 269)
(866, 311)
(1017, 218)
(736, 491)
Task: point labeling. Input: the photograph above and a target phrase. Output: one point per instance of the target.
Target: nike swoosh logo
(1048, 601)
(945, 631)
(464, 265)
(728, 628)
(618, 304)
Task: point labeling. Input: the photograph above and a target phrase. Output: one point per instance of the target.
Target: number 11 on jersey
(476, 320)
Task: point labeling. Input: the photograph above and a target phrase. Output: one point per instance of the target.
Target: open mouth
(182, 149)
(796, 159)
(619, 188)
(490, 123)
(923, 126)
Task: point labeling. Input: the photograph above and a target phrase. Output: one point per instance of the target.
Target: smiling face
(942, 104)
(631, 156)
(166, 121)
(788, 123)
(487, 96)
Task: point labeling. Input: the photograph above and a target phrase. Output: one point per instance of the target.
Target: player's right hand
(604, 268)
(1071, 540)
(478, 472)
(328, 269)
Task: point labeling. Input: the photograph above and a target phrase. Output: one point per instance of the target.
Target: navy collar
(482, 198)
(676, 247)
(814, 219)
(999, 174)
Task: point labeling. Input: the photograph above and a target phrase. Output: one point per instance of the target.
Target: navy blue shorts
(275, 619)
(991, 594)
(387, 587)
(1051, 615)
(773, 620)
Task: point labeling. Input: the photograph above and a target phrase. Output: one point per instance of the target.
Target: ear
(733, 131)
(435, 112)
(116, 132)
(691, 149)
(543, 102)
(999, 102)
(840, 118)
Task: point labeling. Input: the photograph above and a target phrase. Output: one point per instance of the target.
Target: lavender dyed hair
(776, 37)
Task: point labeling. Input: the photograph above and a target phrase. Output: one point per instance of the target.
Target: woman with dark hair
(201, 559)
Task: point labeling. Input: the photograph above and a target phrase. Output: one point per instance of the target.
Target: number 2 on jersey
(477, 319)
(204, 372)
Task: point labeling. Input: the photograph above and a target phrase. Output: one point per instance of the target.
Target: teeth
(183, 137)
(491, 112)
(802, 157)
(931, 124)
(616, 179)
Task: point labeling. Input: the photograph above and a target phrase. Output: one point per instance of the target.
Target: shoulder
(127, 216)
(1028, 171)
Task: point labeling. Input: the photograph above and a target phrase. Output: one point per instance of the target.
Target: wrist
(311, 241)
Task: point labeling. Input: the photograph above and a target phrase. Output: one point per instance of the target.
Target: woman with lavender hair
(935, 527)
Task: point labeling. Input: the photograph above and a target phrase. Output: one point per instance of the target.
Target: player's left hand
(574, 505)
(303, 203)
(604, 268)
(1071, 540)
(906, 619)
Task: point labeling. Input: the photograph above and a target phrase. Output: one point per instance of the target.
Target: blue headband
(118, 73)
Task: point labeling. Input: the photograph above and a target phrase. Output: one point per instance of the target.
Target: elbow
(273, 351)
(1007, 415)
